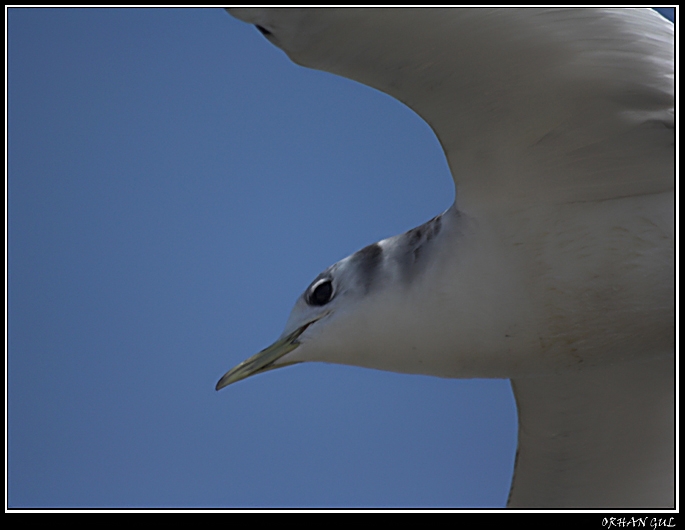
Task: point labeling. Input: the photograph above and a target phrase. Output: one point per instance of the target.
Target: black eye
(320, 293)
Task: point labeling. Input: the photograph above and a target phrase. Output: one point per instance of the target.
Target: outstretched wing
(597, 439)
(530, 105)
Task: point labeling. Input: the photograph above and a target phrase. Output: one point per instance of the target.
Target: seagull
(555, 265)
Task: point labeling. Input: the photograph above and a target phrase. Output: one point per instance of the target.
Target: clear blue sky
(174, 183)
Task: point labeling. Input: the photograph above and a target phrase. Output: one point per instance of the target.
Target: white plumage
(555, 265)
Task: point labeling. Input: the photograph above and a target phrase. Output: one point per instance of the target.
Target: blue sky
(174, 183)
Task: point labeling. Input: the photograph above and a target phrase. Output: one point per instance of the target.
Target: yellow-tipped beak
(263, 361)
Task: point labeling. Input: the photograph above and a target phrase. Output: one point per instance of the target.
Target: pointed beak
(263, 361)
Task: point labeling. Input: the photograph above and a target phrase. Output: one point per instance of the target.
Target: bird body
(555, 265)
(519, 295)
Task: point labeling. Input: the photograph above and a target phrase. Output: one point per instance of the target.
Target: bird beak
(263, 361)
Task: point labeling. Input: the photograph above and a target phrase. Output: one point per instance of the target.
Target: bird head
(326, 318)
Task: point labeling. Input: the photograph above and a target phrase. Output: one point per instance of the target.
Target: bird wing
(603, 438)
(531, 106)
(535, 106)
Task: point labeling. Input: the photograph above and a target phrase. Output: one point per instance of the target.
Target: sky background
(174, 184)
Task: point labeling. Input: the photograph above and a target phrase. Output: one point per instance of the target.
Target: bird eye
(321, 292)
